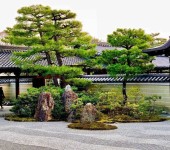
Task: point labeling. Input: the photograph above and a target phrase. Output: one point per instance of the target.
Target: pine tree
(128, 61)
(49, 35)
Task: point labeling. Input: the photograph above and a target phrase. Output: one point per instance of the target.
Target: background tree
(96, 40)
(130, 60)
(157, 40)
(50, 35)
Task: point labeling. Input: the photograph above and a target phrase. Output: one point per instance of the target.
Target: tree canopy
(127, 38)
(50, 35)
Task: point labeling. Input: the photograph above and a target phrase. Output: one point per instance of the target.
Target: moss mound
(126, 119)
(12, 117)
(92, 126)
(19, 119)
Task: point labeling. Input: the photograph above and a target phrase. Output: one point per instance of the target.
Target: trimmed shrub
(110, 100)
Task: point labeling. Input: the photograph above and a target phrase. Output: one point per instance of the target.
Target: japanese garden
(70, 76)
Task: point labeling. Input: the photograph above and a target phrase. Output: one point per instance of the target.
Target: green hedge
(81, 84)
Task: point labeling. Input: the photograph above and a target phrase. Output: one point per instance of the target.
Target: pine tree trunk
(58, 54)
(63, 82)
(55, 81)
(48, 58)
(124, 92)
(59, 60)
(50, 63)
(60, 63)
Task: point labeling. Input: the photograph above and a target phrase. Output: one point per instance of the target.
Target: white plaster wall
(160, 89)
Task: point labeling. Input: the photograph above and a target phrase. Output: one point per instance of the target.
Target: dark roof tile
(21, 80)
(5, 60)
(6, 52)
(140, 78)
(163, 49)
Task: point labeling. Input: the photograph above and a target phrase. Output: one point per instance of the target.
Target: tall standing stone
(69, 96)
(44, 107)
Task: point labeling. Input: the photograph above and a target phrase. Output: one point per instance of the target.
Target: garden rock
(44, 107)
(89, 113)
(69, 96)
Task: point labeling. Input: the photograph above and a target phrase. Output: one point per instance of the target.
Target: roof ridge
(104, 44)
(12, 47)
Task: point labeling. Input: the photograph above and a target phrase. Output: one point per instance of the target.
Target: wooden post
(17, 74)
(17, 91)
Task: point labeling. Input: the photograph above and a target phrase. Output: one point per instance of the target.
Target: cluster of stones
(46, 105)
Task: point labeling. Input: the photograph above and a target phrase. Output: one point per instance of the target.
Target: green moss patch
(126, 118)
(19, 119)
(92, 126)
(12, 117)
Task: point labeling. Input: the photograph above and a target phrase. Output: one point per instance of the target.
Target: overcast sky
(102, 17)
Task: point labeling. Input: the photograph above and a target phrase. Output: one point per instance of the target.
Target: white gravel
(56, 135)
